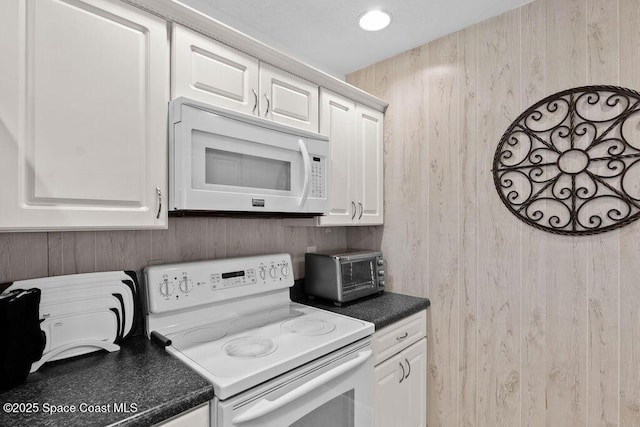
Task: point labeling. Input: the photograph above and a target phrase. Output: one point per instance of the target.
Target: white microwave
(221, 160)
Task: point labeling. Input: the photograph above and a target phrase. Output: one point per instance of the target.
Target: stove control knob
(285, 270)
(380, 262)
(185, 285)
(263, 273)
(166, 288)
(380, 272)
(273, 272)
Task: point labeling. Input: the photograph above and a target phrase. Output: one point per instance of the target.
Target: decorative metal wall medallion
(570, 164)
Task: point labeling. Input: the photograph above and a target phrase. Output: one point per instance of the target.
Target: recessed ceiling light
(374, 20)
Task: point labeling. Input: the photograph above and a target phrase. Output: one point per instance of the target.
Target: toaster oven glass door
(358, 276)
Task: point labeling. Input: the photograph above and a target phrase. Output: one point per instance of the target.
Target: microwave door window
(247, 171)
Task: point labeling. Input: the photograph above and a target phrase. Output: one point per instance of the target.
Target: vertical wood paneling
(468, 229)
(384, 89)
(548, 325)
(410, 142)
(72, 252)
(566, 260)
(216, 245)
(31, 255)
(442, 90)
(604, 250)
(184, 240)
(499, 234)
(533, 291)
(238, 238)
(629, 293)
(23, 256)
(122, 250)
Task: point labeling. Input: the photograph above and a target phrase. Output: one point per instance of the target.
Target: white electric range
(272, 362)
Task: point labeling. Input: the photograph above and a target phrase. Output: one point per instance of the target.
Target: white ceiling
(325, 34)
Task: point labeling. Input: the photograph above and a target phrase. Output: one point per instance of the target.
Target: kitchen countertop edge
(380, 309)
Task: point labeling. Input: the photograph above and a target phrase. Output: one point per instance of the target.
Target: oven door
(224, 163)
(336, 390)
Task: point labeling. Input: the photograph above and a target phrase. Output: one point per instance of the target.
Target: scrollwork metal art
(570, 164)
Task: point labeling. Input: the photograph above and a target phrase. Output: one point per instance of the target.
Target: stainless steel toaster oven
(344, 275)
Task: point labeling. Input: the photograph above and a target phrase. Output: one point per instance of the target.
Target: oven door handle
(307, 172)
(264, 406)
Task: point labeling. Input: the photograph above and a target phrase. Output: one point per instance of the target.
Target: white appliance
(221, 160)
(271, 362)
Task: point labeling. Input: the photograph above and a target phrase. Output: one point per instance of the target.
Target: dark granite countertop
(381, 310)
(140, 377)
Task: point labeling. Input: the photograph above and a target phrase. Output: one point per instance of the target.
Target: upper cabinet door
(83, 115)
(369, 172)
(288, 99)
(211, 72)
(337, 120)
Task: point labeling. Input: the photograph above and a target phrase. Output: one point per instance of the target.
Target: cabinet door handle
(408, 367)
(401, 367)
(401, 337)
(353, 208)
(361, 210)
(159, 193)
(255, 104)
(268, 104)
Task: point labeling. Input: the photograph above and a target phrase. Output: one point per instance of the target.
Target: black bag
(21, 339)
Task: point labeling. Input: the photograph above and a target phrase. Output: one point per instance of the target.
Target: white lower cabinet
(401, 380)
(197, 417)
(84, 87)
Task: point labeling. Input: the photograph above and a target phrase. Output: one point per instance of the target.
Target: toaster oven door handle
(264, 406)
(307, 172)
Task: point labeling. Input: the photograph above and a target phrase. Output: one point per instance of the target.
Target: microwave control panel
(318, 188)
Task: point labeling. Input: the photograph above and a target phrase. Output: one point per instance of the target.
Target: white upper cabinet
(369, 180)
(84, 86)
(208, 71)
(212, 72)
(288, 99)
(356, 180)
(337, 121)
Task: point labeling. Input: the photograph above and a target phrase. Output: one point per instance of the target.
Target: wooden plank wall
(526, 328)
(31, 255)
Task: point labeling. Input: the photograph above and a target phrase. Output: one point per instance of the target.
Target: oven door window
(338, 412)
(358, 276)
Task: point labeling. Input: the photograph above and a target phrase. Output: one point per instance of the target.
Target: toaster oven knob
(285, 270)
(382, 283)
(380, 272)
(273, 272)
(380, 262)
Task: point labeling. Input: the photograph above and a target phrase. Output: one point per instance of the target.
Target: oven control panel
(176, 286)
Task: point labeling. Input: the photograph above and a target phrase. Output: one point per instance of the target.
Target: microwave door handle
(307, 172)
(264, 406)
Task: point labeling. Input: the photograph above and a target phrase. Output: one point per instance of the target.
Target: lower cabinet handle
(408, 367)
(401, 367)
(353, 207)
(401, 337)
(159, 193)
